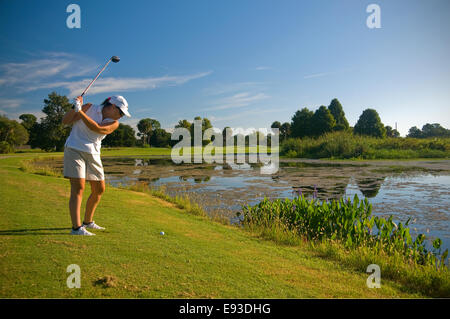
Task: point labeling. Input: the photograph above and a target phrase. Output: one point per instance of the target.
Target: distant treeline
(326, 133)
(306, 123)
(50, 134)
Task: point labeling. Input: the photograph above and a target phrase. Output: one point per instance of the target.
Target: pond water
(419, 190)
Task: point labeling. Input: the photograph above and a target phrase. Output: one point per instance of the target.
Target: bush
(291, 154)
(345, 145)
(6, 148)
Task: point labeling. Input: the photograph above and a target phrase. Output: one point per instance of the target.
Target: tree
(50, 134)
(285, 131)
(124, 135)
(322, 121)
(390, 132)
(227, 134)
(255, 136)
(12, 133)
(337, 111)
(414, 132)
(183, 123)
(301, 123)
(276, 124)
(429, 130)
(369, 123)
(206, 124)
(435, 130)
(28, 120)
(146, 127)
(30, 123)
(160, 138)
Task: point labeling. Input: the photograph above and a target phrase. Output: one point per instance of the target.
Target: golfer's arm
(68, 117)
(72, 116)
(100, 129)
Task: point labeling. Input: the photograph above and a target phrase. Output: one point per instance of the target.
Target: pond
(419, 190)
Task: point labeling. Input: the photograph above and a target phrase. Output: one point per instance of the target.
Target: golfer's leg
(97, 189)
(76, 196)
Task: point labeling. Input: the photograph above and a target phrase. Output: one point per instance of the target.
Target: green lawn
(154, 151)
(144, 151)
(196, 258)
(135, 151)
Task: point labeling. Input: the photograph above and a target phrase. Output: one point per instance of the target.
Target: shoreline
(319, 253)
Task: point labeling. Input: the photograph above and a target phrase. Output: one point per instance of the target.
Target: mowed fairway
(196, 258)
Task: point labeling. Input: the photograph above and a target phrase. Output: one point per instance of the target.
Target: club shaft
(96, 77)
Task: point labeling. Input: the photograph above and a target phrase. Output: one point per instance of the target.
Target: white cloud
(238, 100)
(51, 65)
(250, 130)
(317, 75)
(170, 129)
(112, 84)
(262, 68)
(23, 72)
(6, 103)
(220, 89)
(56, 69)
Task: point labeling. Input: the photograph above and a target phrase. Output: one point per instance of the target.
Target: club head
(115, 59)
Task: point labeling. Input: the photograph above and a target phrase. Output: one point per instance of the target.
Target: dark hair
(106, 102)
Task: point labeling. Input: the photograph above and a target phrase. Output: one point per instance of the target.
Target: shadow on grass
(35, 231)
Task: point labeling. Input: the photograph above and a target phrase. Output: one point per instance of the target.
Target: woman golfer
(91, 123)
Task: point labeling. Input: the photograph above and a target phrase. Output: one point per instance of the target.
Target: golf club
(115, 59)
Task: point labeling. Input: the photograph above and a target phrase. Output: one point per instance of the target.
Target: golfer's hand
(78, 103)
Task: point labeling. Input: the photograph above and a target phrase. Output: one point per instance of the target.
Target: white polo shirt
(83, 138)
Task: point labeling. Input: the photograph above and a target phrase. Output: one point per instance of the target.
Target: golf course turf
(195, 258)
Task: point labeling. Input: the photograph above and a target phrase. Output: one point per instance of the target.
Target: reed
(30, 166)
(345, 145)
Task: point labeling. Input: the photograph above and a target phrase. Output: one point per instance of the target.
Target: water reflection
(197, 179)
(370, 187)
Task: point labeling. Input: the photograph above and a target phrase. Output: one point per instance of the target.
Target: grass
(152, 151)
(29, 166)
(180, 201)
(339, 231)
(426, 279)
(196, 258)
(343, 145)
(135, 151)
(336, 145)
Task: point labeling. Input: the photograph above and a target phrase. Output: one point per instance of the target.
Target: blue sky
(239, 63)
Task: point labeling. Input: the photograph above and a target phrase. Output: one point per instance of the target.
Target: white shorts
(79, 164)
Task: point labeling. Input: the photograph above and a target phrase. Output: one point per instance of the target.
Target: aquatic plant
(347, 221)
(297, 192)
